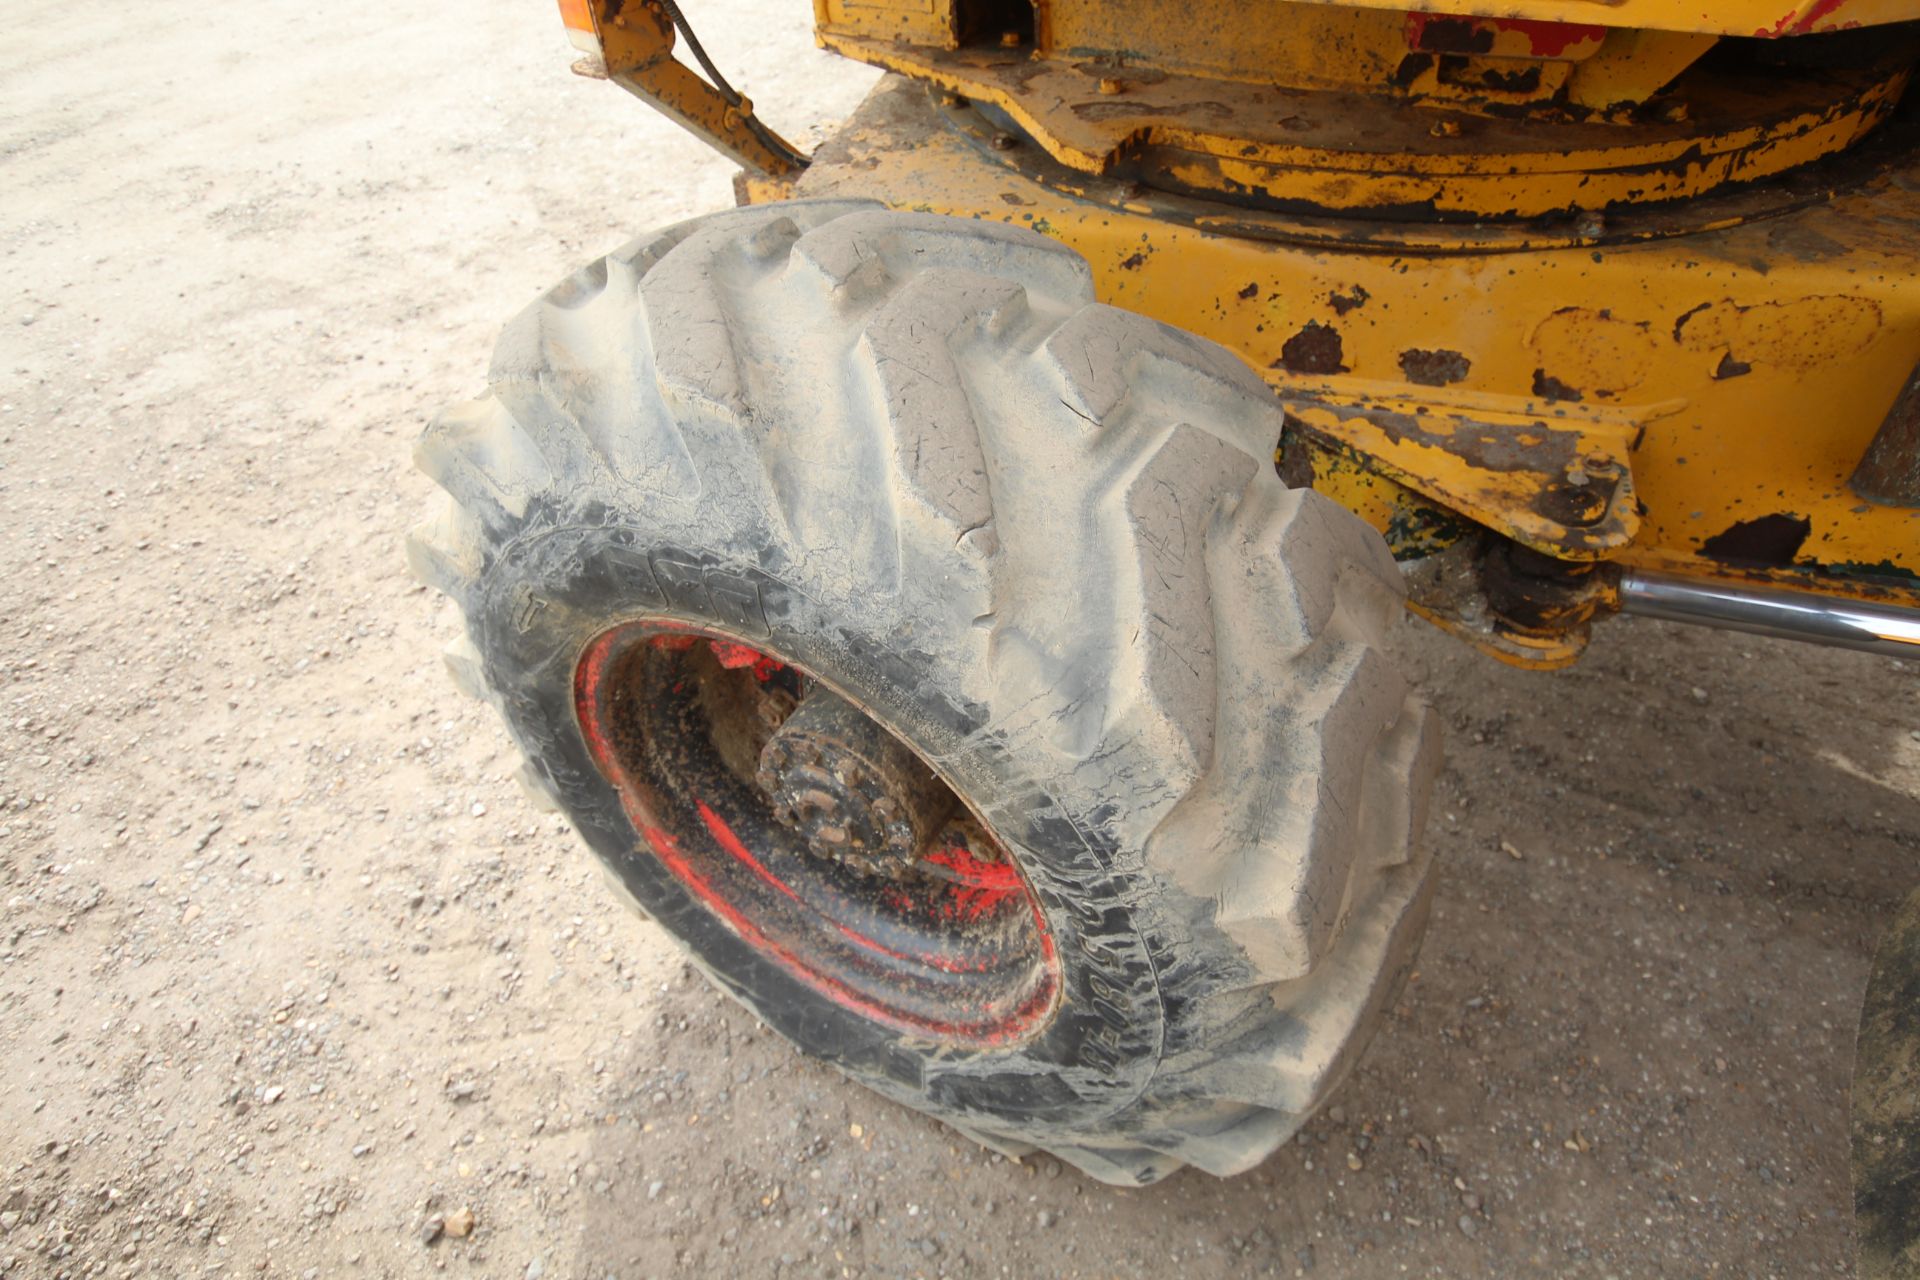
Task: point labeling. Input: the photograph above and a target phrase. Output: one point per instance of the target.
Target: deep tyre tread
(1044, 539)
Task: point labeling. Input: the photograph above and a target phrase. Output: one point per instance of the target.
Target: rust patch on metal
(1579, 503)
(1765, 540)
(1803, 334)
(1411, 68)
(1295, 460)
(1344, 302)
(1680, 325)
(1133, 262)
(1548, 387)
(1249, 293)
(1101, 111)
(1890, 471)
(1527, 448)
(1261, 144)
(1317, 348)
(1731, 368)
(1592, 352)
(1449, 35)
(1468, 73)
(1537, 593)
(1439, 368)
(1556, 480)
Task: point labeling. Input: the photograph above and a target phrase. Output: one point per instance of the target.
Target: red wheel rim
(955, 948)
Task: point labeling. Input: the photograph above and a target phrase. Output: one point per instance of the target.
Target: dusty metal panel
(1782, 340)
(1766, 18)
(1555, 477)
(922, 22)
(1267, 146)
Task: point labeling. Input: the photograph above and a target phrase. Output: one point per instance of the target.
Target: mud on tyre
(832, 455)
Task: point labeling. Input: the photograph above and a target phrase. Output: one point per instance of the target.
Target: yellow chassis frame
(1687, 389)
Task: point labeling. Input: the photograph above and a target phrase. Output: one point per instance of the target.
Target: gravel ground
(296, 984)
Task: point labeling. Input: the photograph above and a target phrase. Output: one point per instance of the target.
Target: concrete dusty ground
(293, 980)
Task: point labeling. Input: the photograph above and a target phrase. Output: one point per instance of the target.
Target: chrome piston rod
(1885, 629)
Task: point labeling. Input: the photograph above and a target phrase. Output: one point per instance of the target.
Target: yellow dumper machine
(948, 591)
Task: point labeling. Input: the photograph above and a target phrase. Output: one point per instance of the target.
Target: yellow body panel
(1294, 148)
(1757, 361)
(1770, 18)
(1551, 289)
(1378, 112)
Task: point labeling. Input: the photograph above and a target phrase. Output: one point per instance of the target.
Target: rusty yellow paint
(1251, 141)
(1413, 526)
(1509, 264)
(1300, 46)
(922, 22)
(1307, 46)
(636, 47)
(1774, 347)
(1631, 66)
(1801, 333)
(752, 187)
(1770, 18)
(1535, 653)
(1556, 477)
(1439, 549)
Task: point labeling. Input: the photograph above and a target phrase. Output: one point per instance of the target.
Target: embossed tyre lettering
(936, 654)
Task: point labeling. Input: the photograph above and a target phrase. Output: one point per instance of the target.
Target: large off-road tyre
(904, 467)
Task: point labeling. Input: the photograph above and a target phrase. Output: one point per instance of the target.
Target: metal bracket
(636, 47)
(1554, 476)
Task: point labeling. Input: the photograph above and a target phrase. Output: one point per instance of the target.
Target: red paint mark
(1552, 39)
(586, 704)
(735, 656)
(1544, 39)
(977, 887)
(673, 644)
(723, 834)
(998, 1032)
(1801, 22)
(942, 963)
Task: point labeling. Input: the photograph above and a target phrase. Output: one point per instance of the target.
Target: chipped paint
(1244, 139)
(1557, 480)
(1764, 540)
(1439, 368)
(1317, 348)
(1585, 352)
(1678, 299)
(1797, 335)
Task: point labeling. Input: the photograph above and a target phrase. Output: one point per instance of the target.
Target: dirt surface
(296, 983)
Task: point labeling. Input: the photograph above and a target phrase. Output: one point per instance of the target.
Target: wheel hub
(850, 789)
(807, 833)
